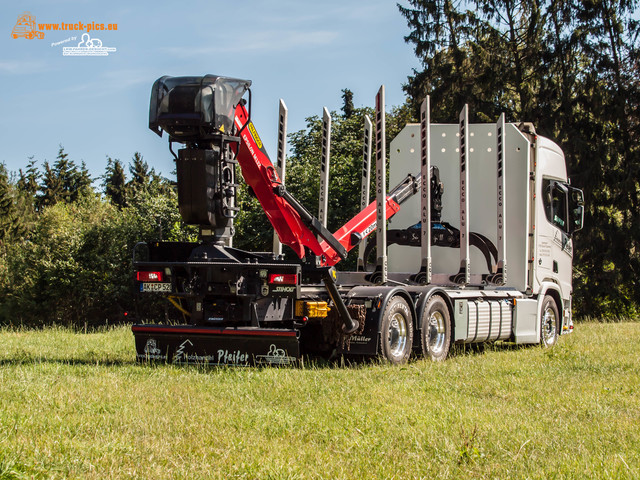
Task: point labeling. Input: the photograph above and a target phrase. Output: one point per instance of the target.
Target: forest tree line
(66, 239)
(571, 67)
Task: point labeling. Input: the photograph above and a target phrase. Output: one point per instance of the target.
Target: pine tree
(140, 174)
(28, 181)
(64, 169)
(347, 106)
(65, 181)
(6, 205)
(12, 219)
(572, 69)
(51, 188)
(114, 183)
(27, 186)
(80, 181)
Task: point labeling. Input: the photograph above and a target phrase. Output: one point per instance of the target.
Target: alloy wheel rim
(436, 333)
(397, 335)
(549, 326)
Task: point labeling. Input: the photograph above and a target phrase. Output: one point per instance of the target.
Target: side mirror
(576, 209)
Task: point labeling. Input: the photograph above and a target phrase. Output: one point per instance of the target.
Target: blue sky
(303, 51)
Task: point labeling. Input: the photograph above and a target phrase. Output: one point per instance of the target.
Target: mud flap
(207, 346)
(365, 343)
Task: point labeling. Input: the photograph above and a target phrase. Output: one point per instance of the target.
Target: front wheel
(396, 336)
(549, 322)
(435, 327)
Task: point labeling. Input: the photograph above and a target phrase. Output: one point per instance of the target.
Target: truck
(472, 245)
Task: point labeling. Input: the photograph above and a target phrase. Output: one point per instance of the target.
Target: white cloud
(269, 40)
(22, 67)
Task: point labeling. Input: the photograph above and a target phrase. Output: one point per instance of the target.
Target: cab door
(563, 207)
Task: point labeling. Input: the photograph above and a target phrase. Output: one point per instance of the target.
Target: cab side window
(555, 204)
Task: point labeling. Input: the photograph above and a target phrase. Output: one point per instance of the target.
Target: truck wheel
(435, 326)
(549, 322)
(396, 337)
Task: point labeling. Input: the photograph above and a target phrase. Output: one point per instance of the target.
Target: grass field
(77, 405)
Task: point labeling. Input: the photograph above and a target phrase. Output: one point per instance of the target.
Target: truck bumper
(210, 346)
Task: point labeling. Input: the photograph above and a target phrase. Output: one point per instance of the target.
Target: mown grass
(77, 405)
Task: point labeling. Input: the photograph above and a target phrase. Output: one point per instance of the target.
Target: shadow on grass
(346, 362)
(304, 364)
(482, 348)
(66, 361)
(316, 363)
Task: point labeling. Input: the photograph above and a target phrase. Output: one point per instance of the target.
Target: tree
(114, 183)
(608, 159)
(51, 188)
(65, 181)
(486, 56)
(145, 179)
(347, 107)
(572, 69)
(140, 174)
(63, 170)
(77, 264)
(80, 181)
(28, 181)
(6, 205)
(15, 214)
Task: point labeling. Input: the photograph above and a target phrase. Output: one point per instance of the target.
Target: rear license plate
(155, 287)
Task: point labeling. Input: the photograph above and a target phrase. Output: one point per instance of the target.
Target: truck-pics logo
(26, 27)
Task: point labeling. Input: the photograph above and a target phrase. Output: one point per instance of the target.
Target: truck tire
(435, 328)
(396, 336)
(549, 322)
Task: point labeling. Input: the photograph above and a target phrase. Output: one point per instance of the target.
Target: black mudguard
(367, 343)
(209, 346)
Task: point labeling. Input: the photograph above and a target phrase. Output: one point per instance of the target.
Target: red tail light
(149, 276)
(283, 278)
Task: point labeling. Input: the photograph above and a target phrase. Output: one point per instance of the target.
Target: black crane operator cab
(195, 109)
